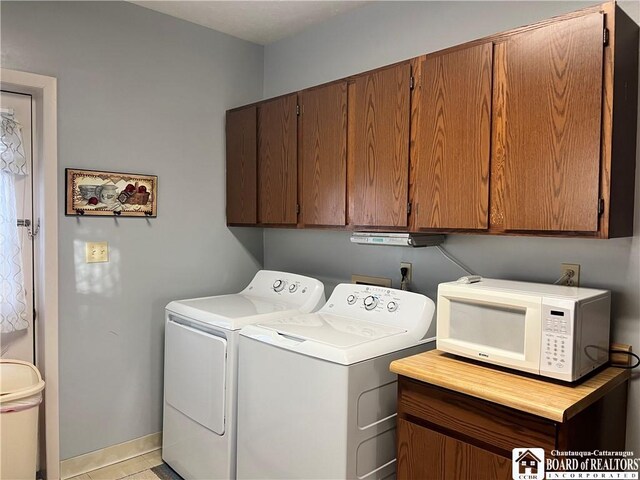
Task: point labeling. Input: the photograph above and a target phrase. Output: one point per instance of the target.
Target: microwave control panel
(557, 341)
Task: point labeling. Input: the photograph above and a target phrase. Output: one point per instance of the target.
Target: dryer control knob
(370, 302)
(351, 299)
(278, 285)
(293, 287)
(392, 306)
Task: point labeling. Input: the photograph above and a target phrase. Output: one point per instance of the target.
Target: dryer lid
(230, 311)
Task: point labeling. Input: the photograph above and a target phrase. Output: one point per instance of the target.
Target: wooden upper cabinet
(378, 151)
(241, 166)
(323, 154)
(451, 133)
(547, 110)
(277, 161)
(531, 131)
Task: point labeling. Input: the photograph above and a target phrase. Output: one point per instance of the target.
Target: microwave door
(492, 328)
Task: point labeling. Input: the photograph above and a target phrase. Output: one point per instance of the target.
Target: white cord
(450, 257)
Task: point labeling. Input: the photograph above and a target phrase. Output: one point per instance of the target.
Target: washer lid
(330, 337)
(231, 311)
(332, 330)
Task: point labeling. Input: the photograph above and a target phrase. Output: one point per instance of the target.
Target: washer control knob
(292, 288)
(370, 302)
(392, 306)
(351, 299)
(278, 285)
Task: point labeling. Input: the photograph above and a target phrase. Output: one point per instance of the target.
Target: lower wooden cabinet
(444, 434)
(426, 454)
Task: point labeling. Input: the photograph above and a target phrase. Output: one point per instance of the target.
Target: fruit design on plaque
(134, 194)
(110, 193)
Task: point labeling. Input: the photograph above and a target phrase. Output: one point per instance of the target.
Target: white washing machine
(316, 397)
(201, 367)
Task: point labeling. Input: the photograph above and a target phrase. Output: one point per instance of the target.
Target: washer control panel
(375, 298)
(381, 305)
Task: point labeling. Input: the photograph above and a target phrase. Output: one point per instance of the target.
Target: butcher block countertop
(544, 398)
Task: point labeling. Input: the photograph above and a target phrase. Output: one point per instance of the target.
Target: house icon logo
(527, 464)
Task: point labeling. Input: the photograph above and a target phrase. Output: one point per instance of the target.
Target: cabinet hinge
(297, 209)
(409, 208)
(298, 110)
(600, 206)
(605, 36)
(412, 82)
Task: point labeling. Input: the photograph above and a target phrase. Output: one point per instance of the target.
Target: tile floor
(137, 468)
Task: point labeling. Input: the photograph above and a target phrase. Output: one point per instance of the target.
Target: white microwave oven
(549, 330)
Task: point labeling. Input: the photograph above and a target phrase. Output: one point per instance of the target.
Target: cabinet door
(241, 166)
(277, 161)
(451, 133)
(547, 108)
(323, 151)
(378, 173)
(424, 453)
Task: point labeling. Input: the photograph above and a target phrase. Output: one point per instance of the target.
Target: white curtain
(13, 304)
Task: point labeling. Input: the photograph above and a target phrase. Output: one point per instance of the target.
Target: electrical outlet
(571, 274)
(408, 267)
(97, 252)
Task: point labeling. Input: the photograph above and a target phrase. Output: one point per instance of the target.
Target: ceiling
(259, 21)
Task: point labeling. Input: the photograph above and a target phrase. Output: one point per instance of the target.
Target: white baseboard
(110, 455)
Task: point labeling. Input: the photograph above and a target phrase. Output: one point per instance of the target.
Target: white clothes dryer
(200, 369)
(316, 397)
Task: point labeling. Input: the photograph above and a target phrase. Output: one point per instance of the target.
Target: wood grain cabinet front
(547, 127)
(378, 151)
(241, 166)
(451, 131)
(527, 132)
(443, 434)
(323, 155)
(426, 454)
(278, 161)
(559, 160)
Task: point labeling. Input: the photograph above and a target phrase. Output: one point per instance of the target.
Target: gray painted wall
(140, 92)
(386, 32)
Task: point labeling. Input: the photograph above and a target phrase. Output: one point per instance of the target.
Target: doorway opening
(36, 96)
(18, 341)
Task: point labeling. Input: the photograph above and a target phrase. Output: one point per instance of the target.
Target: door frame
(44, 93)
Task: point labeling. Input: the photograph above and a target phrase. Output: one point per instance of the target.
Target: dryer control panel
(382, 305)
(305, 293)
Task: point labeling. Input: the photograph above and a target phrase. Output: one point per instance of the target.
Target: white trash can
(20, 394)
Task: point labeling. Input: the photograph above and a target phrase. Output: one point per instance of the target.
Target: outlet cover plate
(573, 281)
(409, 270)
(97, 252)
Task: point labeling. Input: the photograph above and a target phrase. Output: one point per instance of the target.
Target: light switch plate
(97, 252)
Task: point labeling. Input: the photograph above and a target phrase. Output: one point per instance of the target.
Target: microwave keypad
(555, 352)
(557, 325)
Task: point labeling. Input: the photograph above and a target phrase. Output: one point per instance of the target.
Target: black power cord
(631, 354)
(404, 281)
